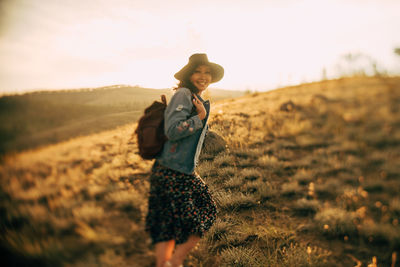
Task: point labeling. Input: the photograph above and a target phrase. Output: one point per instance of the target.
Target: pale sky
(262, 44)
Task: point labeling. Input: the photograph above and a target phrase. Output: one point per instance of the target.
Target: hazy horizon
(52, 45)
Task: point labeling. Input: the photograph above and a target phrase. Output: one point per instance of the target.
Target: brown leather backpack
(150, 130)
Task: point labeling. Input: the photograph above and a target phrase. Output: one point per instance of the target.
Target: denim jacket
(185, 132)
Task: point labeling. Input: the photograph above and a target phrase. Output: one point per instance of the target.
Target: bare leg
(164, 252)
(182, 250)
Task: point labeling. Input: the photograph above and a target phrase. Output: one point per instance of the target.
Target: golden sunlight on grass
(308, 176)
(84, 192)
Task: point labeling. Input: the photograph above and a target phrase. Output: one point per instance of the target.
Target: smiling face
(201, 77)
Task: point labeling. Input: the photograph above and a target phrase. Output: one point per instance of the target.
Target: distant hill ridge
(38, 118)
(119, 93)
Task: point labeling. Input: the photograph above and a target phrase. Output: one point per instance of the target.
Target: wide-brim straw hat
(217, 72)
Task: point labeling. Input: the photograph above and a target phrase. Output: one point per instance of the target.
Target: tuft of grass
(394, 206)
(276, 248)
(291, 188)
(234, 182)
(391, 169)
(273, 237)
(306, 207)
(295, 127)
(305, 256)
(110, 258)
(89, 213)
(224, 160)
(383, 234)
(234, 201)
(248, 163)
(213, 145)
(268, 161)
(128, 201)
(303, 176)
(226, 172)
(242, 257)
(219, 230)
(250, 174)
(245, 153)
(374, 186)
(328, 189)
(261, 190)
(206, 169)
(336, 222)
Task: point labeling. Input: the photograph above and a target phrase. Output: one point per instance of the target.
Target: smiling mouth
(202, 83)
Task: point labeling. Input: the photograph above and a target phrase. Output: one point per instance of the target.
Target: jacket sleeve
(177, 122)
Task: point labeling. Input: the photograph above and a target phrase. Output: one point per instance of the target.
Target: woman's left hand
(201, 110)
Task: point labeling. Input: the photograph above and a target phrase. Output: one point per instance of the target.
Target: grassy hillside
(310, 178)
(47, 117)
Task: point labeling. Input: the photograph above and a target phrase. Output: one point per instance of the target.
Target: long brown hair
(185, 82)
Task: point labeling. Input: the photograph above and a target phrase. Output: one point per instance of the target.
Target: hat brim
(217, 71)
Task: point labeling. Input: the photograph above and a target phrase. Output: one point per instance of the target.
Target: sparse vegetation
(47, 117)
(336, 222)
(306, 207)
(240, 257)
(234, 201)
(313, 183)
(291, 189)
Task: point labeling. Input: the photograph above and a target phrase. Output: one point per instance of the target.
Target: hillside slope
(310, 178)
(41, 118)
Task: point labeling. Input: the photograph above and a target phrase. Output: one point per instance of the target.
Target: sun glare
(260, 45)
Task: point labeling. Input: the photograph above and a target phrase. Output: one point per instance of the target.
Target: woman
(181, 208)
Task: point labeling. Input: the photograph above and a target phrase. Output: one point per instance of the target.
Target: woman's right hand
(201, 110)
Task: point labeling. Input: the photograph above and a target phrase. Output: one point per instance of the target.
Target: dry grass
(79, 202)
(306, 206)
(315, 184)
(336, 222)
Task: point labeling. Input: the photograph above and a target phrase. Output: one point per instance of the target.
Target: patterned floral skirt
(180, 205)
